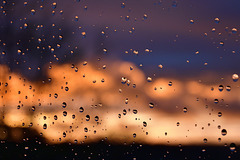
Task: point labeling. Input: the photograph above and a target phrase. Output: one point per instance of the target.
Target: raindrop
(224, 132)
(232, 147)
(55, 117)
(64, 113)
(105, 50)
(81, 109)
(216, 101)
(217, 20)
(66, 89)
(87, 117)
(144, 124)
(45, 126)
(33, 108)
(96, 118)
(124, 80)
(228, 88)
(76, 18)
(64, 104)
(205, 140)
(170, 83)
(85, 129)
(64, 134)
(145, 16)
(124, 112)
(219, 114)
(149, 79)
(221, 43)
(135, 111)
(123, 5)
(220, 88)
(33, 11)
(55, 95)
(234, 30)
(134, 135)
(151, 105)
(54, 5)
(235, 77)
(185, 109)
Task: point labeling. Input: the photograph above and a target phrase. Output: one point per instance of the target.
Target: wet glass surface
(129, 79)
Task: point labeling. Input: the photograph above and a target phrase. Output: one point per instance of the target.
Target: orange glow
(101, 93)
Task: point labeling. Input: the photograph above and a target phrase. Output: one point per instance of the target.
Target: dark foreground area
(104, 150)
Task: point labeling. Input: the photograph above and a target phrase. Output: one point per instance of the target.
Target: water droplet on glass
(224, 132)
(123, 5)
(64, 134)
(55, 117)
(205, 140)
(66, 89)
(55, 95)
(64, 104)
(135, 111)
(81, 109)
(73, 116)
(96, 118)
(232, 147)
(64, 113)
(45, 126)
(76, 18)
(54, 5)
(33, 108)
(216, 101)
(170, 83)
(33, 11)
(234, 30)
(220, 88)
(144, 124)
(149, 79)
(219, 114)
(235, 77)
(124, 80)
(185, 109)
(221, 43)
(151, 105)
(145, 16)
(87, 117)
(228, 88)
(124, 112)
(134, 135)
(217, 20)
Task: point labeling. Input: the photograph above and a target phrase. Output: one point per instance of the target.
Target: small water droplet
(217, 20)
(87, 117)
(185, 109)
(151, 105)
(45, 126)
(219, 114)
(64, 113)
(64, 104)
(220, 88)
(235, 77)
(224, 132)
